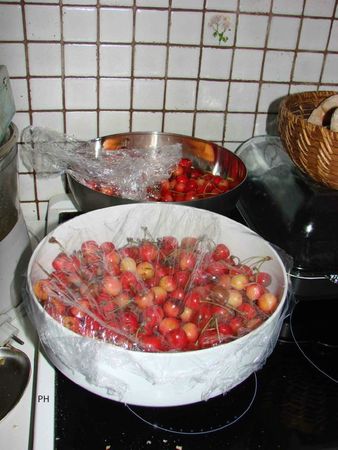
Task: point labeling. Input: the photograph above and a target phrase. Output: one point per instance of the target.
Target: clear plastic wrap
(106, 312)
(125, 172)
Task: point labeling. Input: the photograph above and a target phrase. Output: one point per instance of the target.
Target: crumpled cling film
(126, 372)
(127, 171)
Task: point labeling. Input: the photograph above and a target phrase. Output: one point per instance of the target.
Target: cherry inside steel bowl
(160, 378)
(205, 155)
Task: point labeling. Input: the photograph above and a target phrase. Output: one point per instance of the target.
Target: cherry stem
(53, 240)
(260, 260)
(206, 326)
(43, 270)
(225, 306)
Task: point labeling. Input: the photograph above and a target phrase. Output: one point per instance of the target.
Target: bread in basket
(307, 125)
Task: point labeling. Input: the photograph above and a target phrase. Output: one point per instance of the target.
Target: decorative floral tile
(219, 29)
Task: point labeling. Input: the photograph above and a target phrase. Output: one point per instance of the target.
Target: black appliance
(292, 211)
(289, 404)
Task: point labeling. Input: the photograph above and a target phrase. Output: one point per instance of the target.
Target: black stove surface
(289, 404)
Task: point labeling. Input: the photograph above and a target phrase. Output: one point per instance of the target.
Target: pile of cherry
(185, 183)
(157, 295)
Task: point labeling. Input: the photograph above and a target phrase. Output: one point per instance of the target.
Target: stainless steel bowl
(204, 154)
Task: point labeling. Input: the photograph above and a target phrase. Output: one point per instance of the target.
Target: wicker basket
(313, 148)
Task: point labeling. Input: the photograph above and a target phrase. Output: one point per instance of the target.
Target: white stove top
(30, 424)
(15, 427)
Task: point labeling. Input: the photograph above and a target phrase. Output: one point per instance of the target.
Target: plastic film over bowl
(117, 294)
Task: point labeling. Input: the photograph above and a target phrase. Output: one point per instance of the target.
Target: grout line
(230, 80)
(98, 55)
(63, 69)
(325, 53)
(30, 110)
(132, 76)
(296, 48)
(260, 81)
(164, 111)
(199, 70)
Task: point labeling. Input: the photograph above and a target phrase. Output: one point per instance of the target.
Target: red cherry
(177, 294)
(191, 330)
(191, 185)
(167, 324)
(167, 197)
(182, 278)
(90, 327)
(172, 308)
(128, 322)
(181, 187)
(128, 279)
(168, 244)
(182, 179)
(176, 339)
(151, 343)
(254, 291)
(263, 278)
(189, 243)
(193, 300)
(63, 263)
(179, 170)
(223, 185)
(186, 163)
(148, 251)
(81, 309)
(248, 310)
(221, 252)
(187, 260)
(168, 283)
(165, 185)
(195, 173)
(106, 305)
(107, 247)
(190, 196)
(73, 323)
(55, 308)
(130, 252)
(267, 302)
(112, 285)
(209, 338)
(188, 314)
(112, 257)
(145, 300)
(152, 316)
(216, 268)
(224, 329)
(160, 295)
(235, 324)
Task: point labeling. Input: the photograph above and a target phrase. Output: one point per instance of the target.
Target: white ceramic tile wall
(210, 68)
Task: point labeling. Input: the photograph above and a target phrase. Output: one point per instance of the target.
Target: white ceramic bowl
(155, 379)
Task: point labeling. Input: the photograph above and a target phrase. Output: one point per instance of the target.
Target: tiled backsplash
(215, 69)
